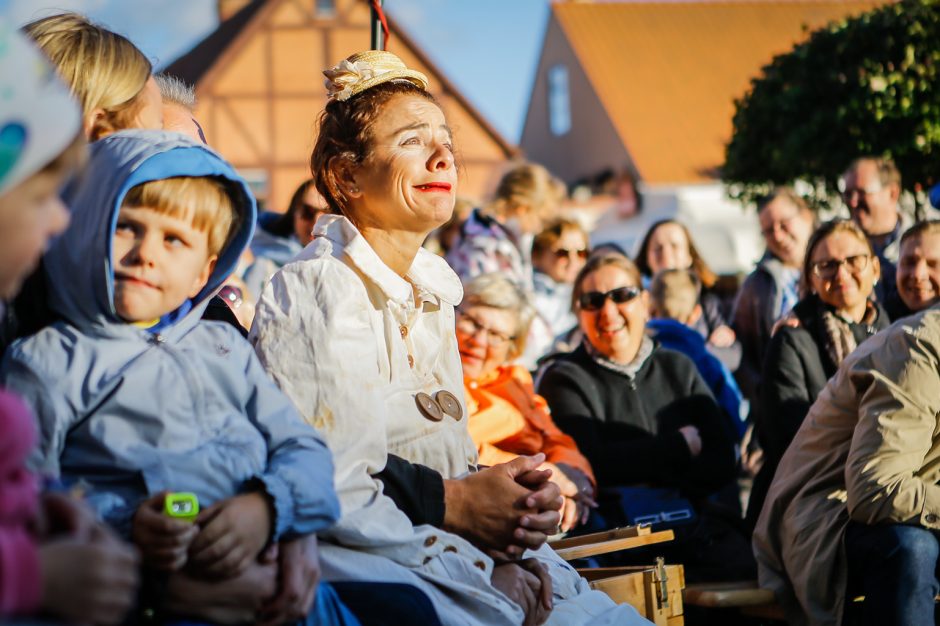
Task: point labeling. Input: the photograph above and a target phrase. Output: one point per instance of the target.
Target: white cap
(39, 118)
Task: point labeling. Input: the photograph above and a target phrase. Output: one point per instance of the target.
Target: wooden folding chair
(655, 591)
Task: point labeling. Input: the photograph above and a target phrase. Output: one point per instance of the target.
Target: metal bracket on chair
(660, 578)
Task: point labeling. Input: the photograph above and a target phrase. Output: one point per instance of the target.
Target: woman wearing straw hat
(359, 331)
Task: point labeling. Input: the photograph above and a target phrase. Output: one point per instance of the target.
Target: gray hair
(174, 90)
(498, 292)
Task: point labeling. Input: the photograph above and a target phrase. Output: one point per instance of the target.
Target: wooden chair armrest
(583, 550)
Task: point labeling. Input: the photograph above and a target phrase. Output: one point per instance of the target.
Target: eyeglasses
(828, 269)
(850, 194)
(563, 253)
(783, 225)
(594, 300)
(471, 326)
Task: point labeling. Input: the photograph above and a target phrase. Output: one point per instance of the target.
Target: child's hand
(63, 514)
(722, 337)
(164, 541)
(234, 532)
(89, 580)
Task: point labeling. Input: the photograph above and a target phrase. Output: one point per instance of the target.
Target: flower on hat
(365, 70)
(342, 79)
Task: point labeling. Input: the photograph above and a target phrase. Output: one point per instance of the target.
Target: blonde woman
(498, 238)
(108, 75)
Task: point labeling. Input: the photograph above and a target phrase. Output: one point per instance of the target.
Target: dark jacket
(417, 490)
(755, 311)
(896, 308)
(629, 428)
(796, 369)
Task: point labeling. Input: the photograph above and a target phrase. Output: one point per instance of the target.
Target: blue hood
(278, 249)
(78, 263)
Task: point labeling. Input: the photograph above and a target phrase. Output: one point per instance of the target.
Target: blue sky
(488, 48)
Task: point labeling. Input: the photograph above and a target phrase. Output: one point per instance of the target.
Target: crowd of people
(384, 406)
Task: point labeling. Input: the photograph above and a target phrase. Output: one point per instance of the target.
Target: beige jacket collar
(432, 277)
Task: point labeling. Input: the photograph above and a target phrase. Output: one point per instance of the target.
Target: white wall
(726, 233)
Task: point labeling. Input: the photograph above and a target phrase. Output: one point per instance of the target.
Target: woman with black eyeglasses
(648, 424)
(836, 312)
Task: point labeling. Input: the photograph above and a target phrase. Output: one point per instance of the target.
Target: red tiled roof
(668, 72)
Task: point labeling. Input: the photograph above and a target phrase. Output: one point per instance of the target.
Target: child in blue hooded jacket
(136, 397)
(674, 304)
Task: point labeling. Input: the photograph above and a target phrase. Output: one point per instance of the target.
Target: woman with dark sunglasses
(558, 254)
(836, 312)
(646, 421)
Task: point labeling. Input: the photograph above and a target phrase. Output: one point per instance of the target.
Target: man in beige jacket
(855, 500)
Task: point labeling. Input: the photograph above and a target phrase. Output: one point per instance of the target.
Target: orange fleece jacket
(507, 419)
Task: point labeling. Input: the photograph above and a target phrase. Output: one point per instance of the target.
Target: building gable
(667, 73)
(589, 124)
(260, 89)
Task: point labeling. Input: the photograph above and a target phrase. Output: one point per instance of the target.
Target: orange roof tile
(668, 72)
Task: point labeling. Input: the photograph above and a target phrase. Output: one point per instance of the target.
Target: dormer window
(559, 101)
(325, 8)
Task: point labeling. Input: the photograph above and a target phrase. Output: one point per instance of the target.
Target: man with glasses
(871, 188)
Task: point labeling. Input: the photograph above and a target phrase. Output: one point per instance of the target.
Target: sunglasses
(563, 253)
(310, 212)
(594, 300)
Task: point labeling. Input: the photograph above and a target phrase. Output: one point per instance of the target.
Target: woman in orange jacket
(507, 417)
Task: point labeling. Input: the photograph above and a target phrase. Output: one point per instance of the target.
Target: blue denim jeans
(895, 567)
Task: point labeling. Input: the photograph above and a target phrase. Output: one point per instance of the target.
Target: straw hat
(365, 70)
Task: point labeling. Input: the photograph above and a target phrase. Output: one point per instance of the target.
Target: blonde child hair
(528, 188)
(104, 70)
(202, 200)
(674, 294)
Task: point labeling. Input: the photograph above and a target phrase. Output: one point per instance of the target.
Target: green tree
(866, 85)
